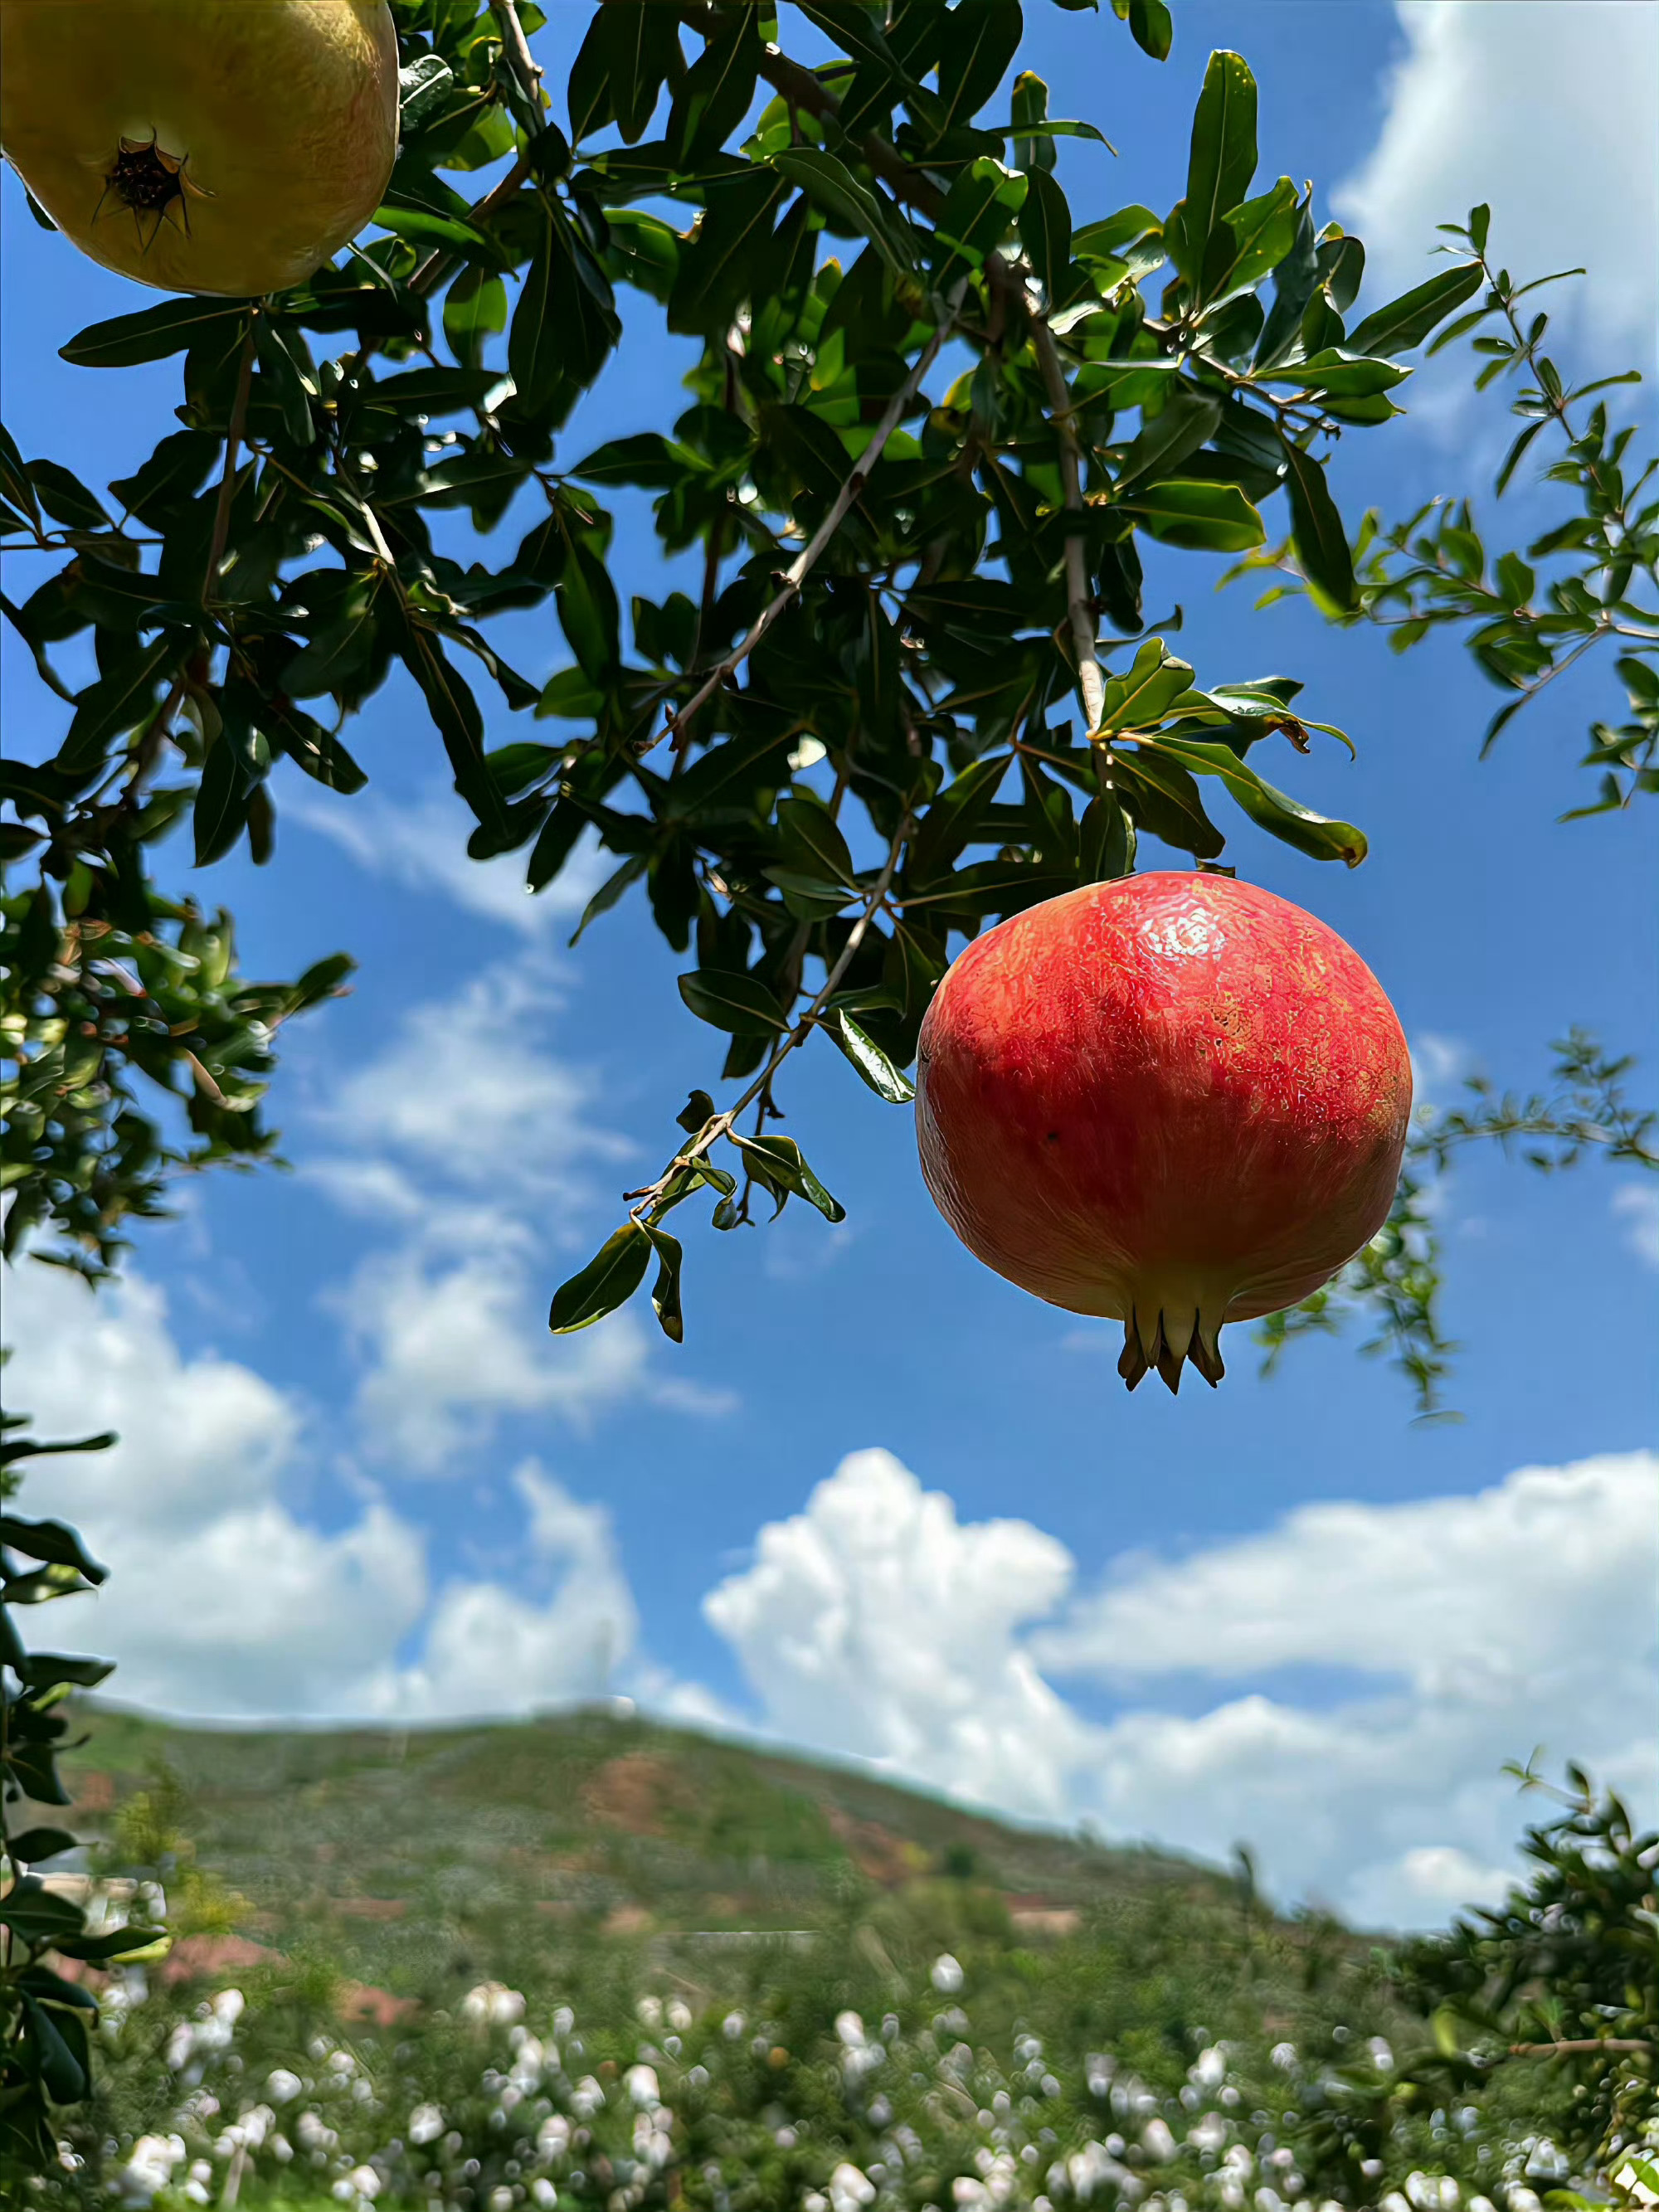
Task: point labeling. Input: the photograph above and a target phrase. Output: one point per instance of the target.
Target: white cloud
(421, 844)
(1543, 108)
(1466, 1630)
(451, 1351)
(467, 1093)
(878, 1625)
(488, 1650)
(481, 1149)
(1637, 1204)
(222, 1601)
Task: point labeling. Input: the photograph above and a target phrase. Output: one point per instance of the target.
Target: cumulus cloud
(451, 1351)
(1544, 109)
(876, 1624)
(482, 1150)
(489, 1650)
(224, 1600)
(1458, 1632)
(421, 843)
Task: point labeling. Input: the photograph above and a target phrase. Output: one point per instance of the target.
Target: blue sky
(881, 1503)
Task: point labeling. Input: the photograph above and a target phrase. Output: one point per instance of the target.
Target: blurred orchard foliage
(1115, 2072)
(937, 412)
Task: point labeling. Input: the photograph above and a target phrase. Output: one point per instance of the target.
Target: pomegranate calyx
(1177, 1334)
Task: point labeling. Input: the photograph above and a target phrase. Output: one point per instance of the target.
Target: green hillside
(412, 1858)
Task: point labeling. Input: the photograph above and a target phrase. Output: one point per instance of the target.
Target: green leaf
(1033, 146)
(1045, 231)
(155, 332)
(1271, 810)
(167, 480)
(1321, 541)
(420, 87)
(831, 186)
(715, 268)
(641, 43)
(884, 1077)
(1517, 452)
(37, 1914)
(450, 702)
(66, 498)
(55, 2041)
(779, 1163)
(978, 212)
(981, 40)
(811, 839)
(1141, 698)
(1341, 372)
(1294, 281)
(475, 308)
(536, 343)
(608, 892)
(1263, 233)
(1406, 321)
(609, 1281)
(37, 1844)
(1151, 27)
(714, 95)
(1210, 517)
(666, 1291)
(1220, 164)
(1186, 421)
(132, 1942)
(220, 815)
(51, 1541)
(589, 614)
(732, 1001)
(117, 703)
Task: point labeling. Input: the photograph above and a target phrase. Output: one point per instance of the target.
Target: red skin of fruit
(1175, 1099)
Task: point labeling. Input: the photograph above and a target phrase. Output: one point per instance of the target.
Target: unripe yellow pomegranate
(226, 146)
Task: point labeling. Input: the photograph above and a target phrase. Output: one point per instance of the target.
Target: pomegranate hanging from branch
(1174, 1100)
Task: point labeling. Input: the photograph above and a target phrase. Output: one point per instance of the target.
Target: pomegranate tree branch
(1080, 600)
(232, 442)
(523, 63)
(720, 1125)
(804, 562)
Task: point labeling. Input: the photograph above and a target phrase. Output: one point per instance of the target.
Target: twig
(1078, 597)
(233, 440)
(801, 567)
(525, 66)
(721, 1123)
(433, 269)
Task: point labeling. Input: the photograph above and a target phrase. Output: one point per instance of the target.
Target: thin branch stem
(804, 562)
(523, 64)
(721, 1124)
(1079, 600)
(436, 266)
(233, 441)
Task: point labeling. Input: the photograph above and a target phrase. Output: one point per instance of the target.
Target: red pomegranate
(1174, 1099)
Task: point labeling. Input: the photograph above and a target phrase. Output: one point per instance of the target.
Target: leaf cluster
(1397, 1281)
(45, 2015)
(1598, 585)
